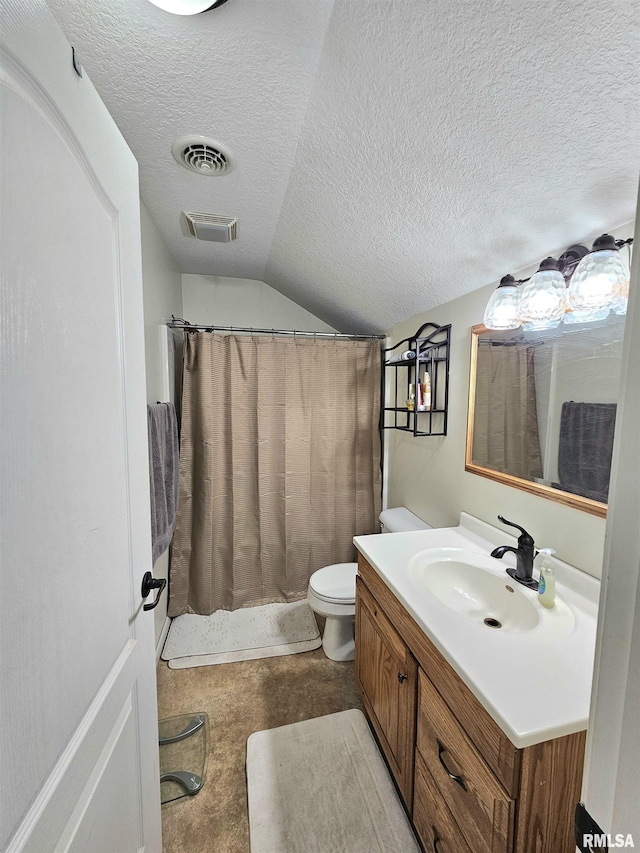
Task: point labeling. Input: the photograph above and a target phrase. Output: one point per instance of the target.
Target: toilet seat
(335, 584)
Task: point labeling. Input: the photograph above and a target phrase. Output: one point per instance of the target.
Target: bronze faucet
(525, 555)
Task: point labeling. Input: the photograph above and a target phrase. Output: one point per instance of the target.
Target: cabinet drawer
(481, 807)
(433, 821)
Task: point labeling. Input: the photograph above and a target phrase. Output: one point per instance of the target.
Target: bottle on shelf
(411, 399)
(426, 392)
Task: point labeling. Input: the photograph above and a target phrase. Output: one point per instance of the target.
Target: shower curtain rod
(179, 323)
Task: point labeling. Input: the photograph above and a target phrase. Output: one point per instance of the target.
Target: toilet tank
(398, 519)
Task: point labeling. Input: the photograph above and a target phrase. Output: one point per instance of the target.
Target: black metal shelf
(420, 412)
(432, 344)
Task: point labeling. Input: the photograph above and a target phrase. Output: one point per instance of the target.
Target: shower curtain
(279, 466)
(505, 429)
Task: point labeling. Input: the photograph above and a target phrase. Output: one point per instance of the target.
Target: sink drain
(490, 622)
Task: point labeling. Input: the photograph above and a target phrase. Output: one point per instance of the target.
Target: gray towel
(164, 469)
(586, 445)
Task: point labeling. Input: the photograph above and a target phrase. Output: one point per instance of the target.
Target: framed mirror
(542, 408)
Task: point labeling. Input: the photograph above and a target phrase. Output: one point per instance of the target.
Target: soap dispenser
(547, 582)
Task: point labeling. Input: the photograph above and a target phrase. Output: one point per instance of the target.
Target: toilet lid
(336, 583)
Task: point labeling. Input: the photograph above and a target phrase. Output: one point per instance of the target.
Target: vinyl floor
(241, 698)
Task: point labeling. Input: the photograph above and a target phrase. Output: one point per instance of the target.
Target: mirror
(542, 408)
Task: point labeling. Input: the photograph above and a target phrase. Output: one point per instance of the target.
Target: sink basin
(476, 586)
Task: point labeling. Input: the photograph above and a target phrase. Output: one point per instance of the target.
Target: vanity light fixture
(502, 308)
(542, 300)
(580, 287)
(187, 7)
(600, 282)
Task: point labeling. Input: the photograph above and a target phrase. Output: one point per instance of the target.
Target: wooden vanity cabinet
(465, 785)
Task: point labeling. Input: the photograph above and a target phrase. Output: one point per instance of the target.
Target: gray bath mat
(245, 634)
(321, 786)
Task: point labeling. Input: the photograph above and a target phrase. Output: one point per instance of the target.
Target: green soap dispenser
(547, 582)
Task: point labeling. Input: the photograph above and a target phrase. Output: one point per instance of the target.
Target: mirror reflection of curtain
(279, 466)
(505, 426)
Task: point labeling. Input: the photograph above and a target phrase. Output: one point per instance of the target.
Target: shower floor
(241, 698)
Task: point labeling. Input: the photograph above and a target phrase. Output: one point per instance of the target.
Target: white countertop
(535, 688)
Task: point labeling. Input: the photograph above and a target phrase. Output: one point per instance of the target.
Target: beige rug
(321, 786)
(245, 634)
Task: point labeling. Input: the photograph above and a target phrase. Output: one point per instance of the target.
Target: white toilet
(332, 590)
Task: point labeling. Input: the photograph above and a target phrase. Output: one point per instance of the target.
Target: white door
(611, 783)
(79, 749)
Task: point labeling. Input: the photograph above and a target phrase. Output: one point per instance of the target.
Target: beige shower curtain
(505, 426)
(279, 466)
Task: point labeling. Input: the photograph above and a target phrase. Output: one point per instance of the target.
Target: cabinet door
(386, 673)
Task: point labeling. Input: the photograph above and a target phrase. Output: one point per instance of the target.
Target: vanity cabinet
(466, 786)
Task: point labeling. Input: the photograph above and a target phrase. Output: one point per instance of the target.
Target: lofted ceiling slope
(391, 155)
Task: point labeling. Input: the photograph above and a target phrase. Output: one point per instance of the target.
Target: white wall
(162, 294)
(162, 290)
(427, 474)
(243, 302)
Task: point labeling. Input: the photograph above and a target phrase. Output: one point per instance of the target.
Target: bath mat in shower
(322, 785)
(245, 634)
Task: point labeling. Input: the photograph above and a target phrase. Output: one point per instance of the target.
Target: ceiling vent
(208, 226)
(203, 156)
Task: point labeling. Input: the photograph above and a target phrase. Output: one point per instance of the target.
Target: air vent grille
(209, 226)
(203, 156)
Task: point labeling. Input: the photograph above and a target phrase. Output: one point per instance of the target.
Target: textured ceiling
(241, 74)
(392, 154)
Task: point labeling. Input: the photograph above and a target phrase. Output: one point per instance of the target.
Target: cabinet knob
(402, 677)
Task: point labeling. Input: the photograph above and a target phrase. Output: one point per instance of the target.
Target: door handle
(402, 677)
(149, 583)
(453, 776)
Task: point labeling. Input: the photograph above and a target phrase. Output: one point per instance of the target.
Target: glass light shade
(502, 308)
(585, 315)
(620, 301)
(542, 303)
(621, 290)
(186, 7)
(600, 283)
